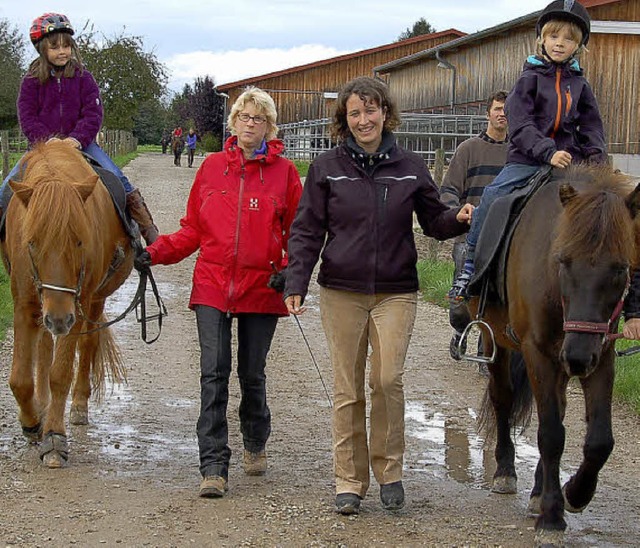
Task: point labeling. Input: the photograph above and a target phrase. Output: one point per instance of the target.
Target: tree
(420, 27)
(12, 46)
(201, 105)
(151, 121)
(127, 75)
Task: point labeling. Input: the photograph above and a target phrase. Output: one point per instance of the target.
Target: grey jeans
(255, 333)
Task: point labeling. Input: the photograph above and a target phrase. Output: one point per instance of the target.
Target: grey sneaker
(348, 504)
(392, 495)
(255, 464)
(213, 487)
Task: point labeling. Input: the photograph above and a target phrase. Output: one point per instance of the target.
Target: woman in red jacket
(239, 213)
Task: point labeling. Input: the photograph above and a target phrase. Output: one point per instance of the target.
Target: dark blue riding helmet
(566, 10)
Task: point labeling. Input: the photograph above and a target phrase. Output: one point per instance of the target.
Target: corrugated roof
(475, 37)
(393, 45)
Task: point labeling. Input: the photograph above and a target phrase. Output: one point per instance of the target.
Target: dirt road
(133, 473)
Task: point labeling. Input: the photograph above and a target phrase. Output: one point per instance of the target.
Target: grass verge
(435, 281)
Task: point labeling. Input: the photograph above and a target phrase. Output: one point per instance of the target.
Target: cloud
(229, 66)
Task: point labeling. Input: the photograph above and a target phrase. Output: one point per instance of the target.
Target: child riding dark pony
(57, 83)
(552, 114)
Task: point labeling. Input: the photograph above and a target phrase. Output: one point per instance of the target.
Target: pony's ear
(86, 187)
(22, 191)
(567, 193)
(633, 201)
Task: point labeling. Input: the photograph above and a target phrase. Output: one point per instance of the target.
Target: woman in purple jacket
(59, 99)
(552, 114)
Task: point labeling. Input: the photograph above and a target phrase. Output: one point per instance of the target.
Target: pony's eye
(79, 243)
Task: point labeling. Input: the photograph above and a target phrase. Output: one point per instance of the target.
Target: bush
(210, 143)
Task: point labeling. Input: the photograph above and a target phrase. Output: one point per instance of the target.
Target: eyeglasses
(257, 119)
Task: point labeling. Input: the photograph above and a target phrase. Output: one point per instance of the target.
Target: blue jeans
(511, 177)
(92, 150)
(255, 332)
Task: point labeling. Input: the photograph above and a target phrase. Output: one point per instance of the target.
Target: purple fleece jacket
(61, 107)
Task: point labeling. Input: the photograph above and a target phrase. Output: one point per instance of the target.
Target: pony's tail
(108, 363)
(522, 406)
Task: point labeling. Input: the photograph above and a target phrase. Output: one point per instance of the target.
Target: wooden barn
(306, 92)
(459, 75)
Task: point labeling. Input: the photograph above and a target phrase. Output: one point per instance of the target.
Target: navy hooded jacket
(551, 108)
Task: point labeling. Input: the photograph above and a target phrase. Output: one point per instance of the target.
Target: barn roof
(416, 39)
(475, 37)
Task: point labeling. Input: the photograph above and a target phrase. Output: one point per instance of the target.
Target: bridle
(137, 301)
(40, 285)
(607, 329)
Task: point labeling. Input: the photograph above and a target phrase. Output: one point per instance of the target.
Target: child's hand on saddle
(631, 329)
(73, 142)
(561, 159)
(465, 214)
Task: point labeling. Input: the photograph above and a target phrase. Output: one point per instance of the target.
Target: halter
(608, 329)
(40, 285)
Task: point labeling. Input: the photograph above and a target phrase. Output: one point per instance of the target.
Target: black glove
(277, 280)
(142, 261)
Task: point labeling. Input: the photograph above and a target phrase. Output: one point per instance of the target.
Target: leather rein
(137, 301)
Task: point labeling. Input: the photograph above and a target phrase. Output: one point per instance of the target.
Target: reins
(138, 300)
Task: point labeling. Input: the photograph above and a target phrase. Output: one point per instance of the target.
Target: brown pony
(66, 251)
(568, 272)
(177, 146)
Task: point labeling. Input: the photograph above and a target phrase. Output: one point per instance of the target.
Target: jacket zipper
(237, 240)
(567, 95)
(556, 125)
(60, 93)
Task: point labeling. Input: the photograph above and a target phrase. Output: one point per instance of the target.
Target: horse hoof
(54, 459)
(32, 433)
(549, 539)
(533, 509)
(78, 416)
(568, 506)
(54, 450)
(505, 485)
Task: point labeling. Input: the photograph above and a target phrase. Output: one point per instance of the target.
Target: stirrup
(458, 291)
(486, 330)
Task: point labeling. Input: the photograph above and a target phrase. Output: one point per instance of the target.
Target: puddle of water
(451, 448)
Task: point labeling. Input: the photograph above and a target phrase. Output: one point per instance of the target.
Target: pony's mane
(55, 218)
(597, 220)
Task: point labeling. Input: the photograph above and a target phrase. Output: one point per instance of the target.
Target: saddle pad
(495, 237)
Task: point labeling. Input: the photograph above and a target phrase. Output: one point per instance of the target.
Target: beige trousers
(352, 322)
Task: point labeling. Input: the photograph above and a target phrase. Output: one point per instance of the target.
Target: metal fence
(115, 142)
(422, 133)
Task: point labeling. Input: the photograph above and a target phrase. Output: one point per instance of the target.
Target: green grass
(149, 148)
(435, 280)
(302, 166)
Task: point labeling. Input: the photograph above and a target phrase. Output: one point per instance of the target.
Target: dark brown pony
(177, 146)
(567, 273)
(66, 252)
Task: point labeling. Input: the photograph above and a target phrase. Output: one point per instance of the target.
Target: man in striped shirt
(474, 165)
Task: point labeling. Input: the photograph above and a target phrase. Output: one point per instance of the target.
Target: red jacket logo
(253, 204)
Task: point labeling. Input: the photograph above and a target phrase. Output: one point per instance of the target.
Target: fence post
(4, 147)
(438, 170)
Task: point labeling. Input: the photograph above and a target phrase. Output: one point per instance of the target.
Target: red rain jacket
(238, 215)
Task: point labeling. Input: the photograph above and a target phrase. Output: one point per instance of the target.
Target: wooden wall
(611, 66)
(327, 76)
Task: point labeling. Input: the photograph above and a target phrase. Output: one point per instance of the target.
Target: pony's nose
(579, 359)
(59, 325)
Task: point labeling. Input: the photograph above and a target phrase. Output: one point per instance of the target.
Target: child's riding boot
(140, 214)
(458, 291)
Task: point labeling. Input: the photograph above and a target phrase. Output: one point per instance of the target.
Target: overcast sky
(238, 39)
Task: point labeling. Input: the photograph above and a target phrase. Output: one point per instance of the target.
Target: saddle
(497, 232)
(111, 182)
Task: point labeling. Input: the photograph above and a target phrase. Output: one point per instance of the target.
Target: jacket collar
(268, 152)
